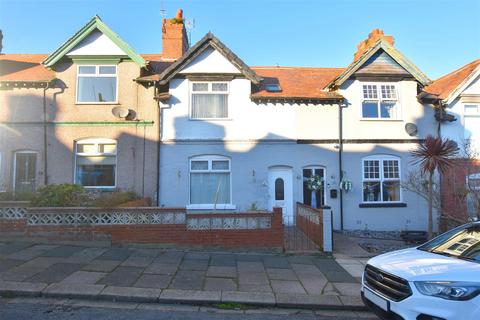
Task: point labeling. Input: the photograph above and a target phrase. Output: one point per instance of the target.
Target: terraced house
(199, 128)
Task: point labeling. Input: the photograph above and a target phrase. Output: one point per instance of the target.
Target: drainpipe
(45, 145)
(159, 137)
(340, 151)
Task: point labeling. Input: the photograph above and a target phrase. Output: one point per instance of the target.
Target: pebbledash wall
(172, 226)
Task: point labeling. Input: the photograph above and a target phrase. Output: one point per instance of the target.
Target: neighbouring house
(77, 116)
(457, 99)
(199, 128)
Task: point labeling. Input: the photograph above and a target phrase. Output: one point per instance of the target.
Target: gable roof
(209, 40)
(396, 55)
(95, 23)
(24, 68)
(449, 86)
(296, 83)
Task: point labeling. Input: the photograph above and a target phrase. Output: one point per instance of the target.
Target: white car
(439, 280)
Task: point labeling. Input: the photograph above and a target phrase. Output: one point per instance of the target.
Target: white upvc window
(471, 122)
(97, 84)
(96, 163)
(380, 101)
(381, 179)
(209, 100)
(210, 182)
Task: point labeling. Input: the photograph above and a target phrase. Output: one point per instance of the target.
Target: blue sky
(438, 36)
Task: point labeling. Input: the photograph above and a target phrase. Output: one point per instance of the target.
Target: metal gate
(304, 232)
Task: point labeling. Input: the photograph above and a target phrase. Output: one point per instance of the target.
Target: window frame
(209, 159)
(381, 179)
(379, 100)
(209, 83)
(96, 75)
(467, 115)
(96, 142)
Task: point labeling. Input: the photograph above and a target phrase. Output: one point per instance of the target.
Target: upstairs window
(381, 179)
(380, 101)
(97, 84)
(95, 163)
(209, 100)
(471, 120)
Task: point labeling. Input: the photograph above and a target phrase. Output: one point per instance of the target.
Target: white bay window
(209, 100)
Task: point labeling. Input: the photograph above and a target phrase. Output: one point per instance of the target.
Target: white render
(96, 44)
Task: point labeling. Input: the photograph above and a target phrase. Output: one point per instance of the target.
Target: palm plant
(434, 154)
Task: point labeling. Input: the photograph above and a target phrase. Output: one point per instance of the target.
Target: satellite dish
(131, 115)
(120, 112)
(411, 129)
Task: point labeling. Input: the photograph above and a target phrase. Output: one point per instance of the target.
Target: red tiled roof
(24, 67)
(297, 83)
(445, 85)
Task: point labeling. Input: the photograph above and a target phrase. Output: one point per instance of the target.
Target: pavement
(149, 275)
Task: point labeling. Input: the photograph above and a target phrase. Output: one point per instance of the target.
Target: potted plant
(314, 184)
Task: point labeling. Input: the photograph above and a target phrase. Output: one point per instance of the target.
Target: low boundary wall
(171, 226)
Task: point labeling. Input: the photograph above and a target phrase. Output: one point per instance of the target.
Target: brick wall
(172, 232)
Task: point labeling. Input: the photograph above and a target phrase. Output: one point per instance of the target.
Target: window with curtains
(380, 101)
(381, 179)
(97, 84)
(95, 163)
(209, 100)
(210, 180)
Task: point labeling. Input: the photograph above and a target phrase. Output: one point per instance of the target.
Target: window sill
(211, 207)
(383, 205)
(210, 119)
(95, 103)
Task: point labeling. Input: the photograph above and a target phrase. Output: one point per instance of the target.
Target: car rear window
(462, 243)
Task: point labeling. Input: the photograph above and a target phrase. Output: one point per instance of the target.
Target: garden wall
(169, 226)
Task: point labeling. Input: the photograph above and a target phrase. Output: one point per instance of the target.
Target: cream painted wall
(210, 61)
(96, 44)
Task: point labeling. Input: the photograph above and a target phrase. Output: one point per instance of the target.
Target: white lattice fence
(87, 216)
(12, 213)
(228, 223)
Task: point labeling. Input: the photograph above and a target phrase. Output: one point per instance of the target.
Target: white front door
(281, 192)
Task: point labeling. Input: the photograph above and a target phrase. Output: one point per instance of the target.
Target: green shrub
(61, 195)
(113, 199)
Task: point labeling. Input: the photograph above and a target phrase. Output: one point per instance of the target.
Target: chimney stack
(174, 37)
(373, 37)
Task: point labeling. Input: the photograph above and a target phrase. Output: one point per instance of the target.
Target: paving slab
(219, 284)
(84, 277)
(195, 265)
(102, 265)
(6, 264)
(137, 261)
(300, 260)
(249, 266)
(73, 290)
(87, 255)
(152, 253)
(284, 286)
(313, 284)
(306, 269)
(21, 288)
(156, 281)
(162, 268)
(339, 276)
(353, 302)
(354, 270)
(188, 280)
(197, 256)
(56, 272)
(253, 278)
(42, 262)
(62, 251)
(249, 257)
(276, 262)
(118, 254)
(253, 298)
(26, 254)
(252, 287)
(223, 260)
(190, 296)
(12, 247)
(348, 289)
(122, 277)
(281, 274)
(130, 294)
(222, 272)
(44, 247)
(173, 257)
(20, 273)
(290, 300)
(330, 289)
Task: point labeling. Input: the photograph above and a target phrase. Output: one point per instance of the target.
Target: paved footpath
(166, 276)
